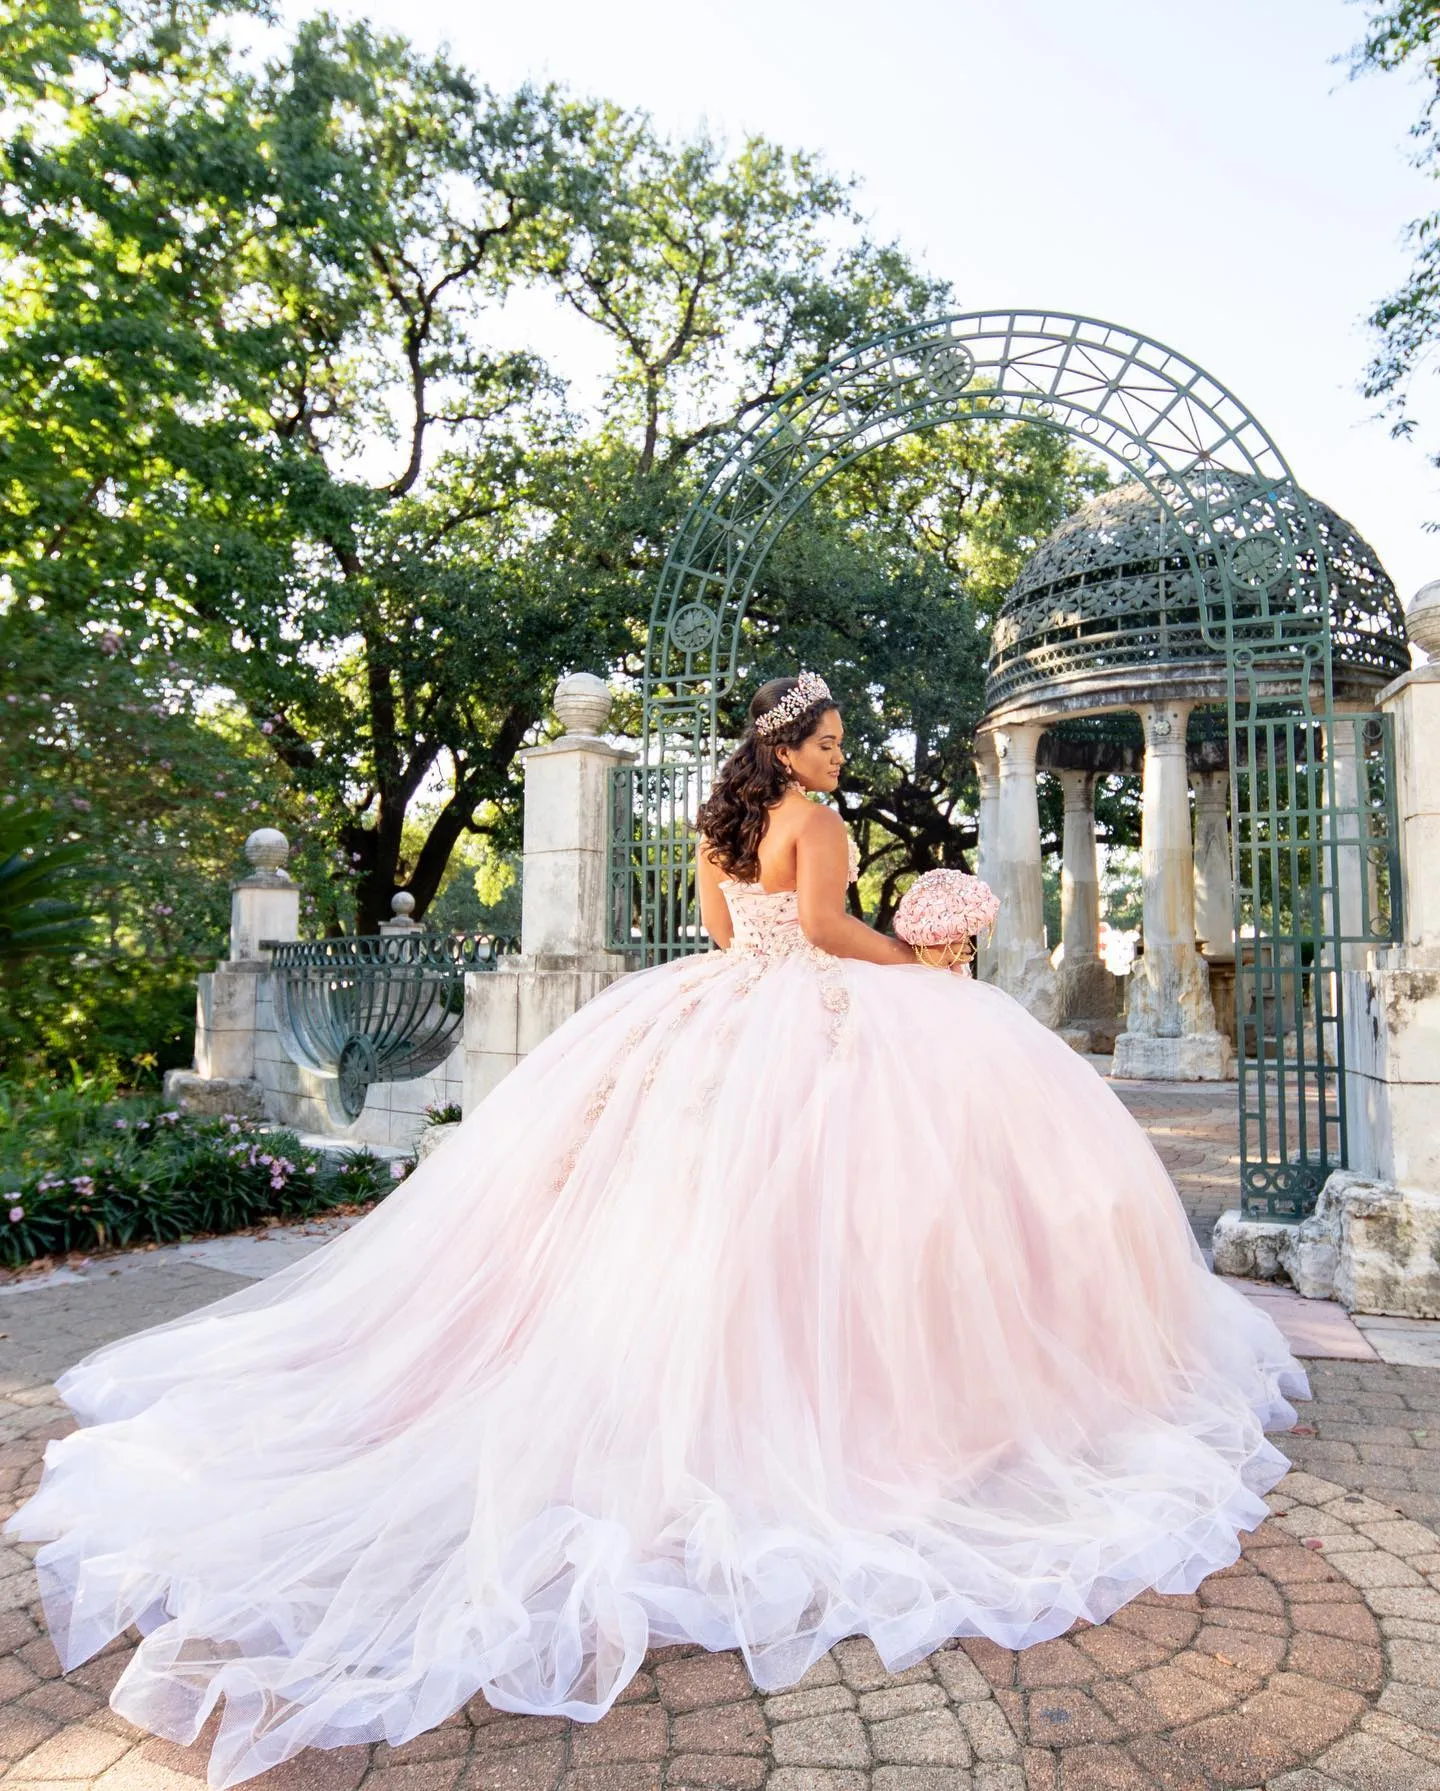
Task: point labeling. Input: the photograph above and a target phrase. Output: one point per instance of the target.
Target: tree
(253, 389)
(1407, 321)
(152, 779)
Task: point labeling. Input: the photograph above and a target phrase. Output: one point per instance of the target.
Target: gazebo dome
(1105, 615)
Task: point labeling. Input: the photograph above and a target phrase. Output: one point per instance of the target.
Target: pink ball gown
(775, 1298)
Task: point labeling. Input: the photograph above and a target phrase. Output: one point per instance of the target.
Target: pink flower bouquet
(941, 914)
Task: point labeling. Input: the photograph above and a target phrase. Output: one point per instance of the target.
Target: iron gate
(1235, 510)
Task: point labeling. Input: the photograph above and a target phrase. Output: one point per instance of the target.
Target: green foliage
(253, 405)
(37, 916)
(151, 780)
(1406, 33)
(285, 536)
(1122, 887)
(82, 1168)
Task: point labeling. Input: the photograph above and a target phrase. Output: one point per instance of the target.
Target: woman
(786, 1293)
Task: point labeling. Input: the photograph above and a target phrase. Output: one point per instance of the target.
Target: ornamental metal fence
(1317, 872)
(375, 1007)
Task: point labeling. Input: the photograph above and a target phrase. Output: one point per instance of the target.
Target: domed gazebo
(1098, 667)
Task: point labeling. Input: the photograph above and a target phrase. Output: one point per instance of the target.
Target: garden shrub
(83, 1167)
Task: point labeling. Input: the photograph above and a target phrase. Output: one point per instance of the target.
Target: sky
(1208, 176)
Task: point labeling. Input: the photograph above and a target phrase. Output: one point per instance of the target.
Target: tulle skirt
(768, 1302)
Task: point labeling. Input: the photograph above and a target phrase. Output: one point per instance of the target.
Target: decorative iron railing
(375, 1008)
(653, 905)
(1316, 850)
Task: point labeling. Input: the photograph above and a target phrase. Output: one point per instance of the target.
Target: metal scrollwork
(358, 1067)
(375, 1008)
(1112, 590)
(1258, 562)
(693, 628)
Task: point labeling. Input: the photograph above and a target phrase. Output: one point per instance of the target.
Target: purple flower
(17, 1213)
(109, 641)
(267, 727)
(397, 1172)
(80, 803)
(122, 1125)
(83, 1184)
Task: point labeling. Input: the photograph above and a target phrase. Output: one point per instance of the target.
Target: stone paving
(1312, 1664)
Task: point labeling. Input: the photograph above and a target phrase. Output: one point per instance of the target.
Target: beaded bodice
(767, 922)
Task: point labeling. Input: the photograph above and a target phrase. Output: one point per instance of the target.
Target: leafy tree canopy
(1406, 34)
(287, 533)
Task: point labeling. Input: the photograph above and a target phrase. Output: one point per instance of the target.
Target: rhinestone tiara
(810, 688)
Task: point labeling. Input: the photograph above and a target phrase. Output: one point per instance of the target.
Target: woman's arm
(714, 909)
(822, 876)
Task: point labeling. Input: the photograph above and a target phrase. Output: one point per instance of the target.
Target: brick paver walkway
(1313, 1664)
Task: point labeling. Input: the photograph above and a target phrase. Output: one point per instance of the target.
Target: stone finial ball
(1422, 619)
(402, 904)
(583, 701)
(267, 849)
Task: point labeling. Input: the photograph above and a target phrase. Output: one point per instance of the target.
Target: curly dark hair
(734, 816)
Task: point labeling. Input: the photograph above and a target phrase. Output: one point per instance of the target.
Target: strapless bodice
(767, 921)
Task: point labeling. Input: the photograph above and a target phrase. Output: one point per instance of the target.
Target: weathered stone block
(210, 1096)
(1193, 1057)
(1389, 1246)
(1249, 1248)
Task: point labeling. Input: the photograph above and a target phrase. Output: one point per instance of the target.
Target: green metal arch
(1157, 414)
(1234, 506)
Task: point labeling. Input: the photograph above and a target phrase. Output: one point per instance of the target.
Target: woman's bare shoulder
(821, 824)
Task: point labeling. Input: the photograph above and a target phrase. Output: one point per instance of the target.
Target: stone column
(1022, 965)
(987, 774)
(1214, 872)
(1343, 825)
(1170, 1032)
(229, 999)
(1087, 989)
(1392, 1007)
(563, 959)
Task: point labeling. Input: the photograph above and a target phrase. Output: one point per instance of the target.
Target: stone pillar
(1214, 871)
(1087, 989)
(1392, 1008)
(265, 905)
(987, 775)
(1170, 1032)
(563, 959)
(1022, 965)
(1344, 826)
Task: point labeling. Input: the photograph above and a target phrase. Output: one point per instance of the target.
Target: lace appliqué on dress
(768, 931)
